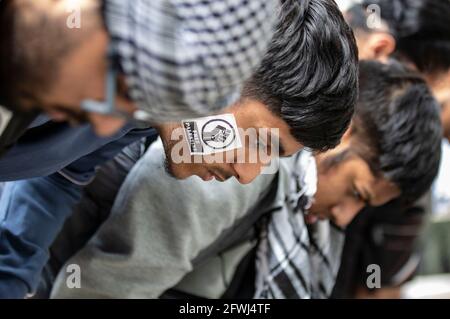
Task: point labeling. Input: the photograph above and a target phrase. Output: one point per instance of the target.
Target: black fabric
(385, 236)
(15, 129)
(243, 284)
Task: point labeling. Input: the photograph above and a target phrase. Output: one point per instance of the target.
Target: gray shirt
(160, 225)
(156, 229)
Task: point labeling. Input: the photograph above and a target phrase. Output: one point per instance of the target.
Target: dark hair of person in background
(421, 29)
(397, 128)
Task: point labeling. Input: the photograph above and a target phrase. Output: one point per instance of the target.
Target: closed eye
(358, 195)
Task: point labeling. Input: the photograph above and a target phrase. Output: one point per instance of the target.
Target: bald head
(35, 36)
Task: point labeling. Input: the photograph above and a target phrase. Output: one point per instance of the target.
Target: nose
(344, 212)
(105, 125)
(246, 173)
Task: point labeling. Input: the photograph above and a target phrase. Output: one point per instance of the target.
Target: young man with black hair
(311, 105)
(154, 246)
(417, 33)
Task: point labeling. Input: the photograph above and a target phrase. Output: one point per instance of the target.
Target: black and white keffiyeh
(295, 260)
(187, 58)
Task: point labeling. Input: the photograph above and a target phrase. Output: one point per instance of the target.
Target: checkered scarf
(186, 58)
(295, 260)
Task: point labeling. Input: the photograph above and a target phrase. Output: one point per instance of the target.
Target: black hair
(309, 76)
(398, 120)
(421, 29)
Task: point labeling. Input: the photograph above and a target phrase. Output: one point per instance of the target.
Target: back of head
(309, 77)
(398, 120)
(421, 29)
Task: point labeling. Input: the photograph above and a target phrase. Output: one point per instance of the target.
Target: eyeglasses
(108, 107)
(13, 124)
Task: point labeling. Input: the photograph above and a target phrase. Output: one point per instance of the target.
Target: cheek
(327, 191)
(184, 170)
(344, 219)
(179, 166)
(249, 156)
(252, 161)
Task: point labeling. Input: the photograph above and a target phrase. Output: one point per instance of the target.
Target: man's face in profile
(250, 115)
(345, 187)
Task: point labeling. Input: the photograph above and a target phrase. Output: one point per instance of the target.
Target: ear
(381, 45)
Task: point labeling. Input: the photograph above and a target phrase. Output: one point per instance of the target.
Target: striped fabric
(185, 58)
(296, 261)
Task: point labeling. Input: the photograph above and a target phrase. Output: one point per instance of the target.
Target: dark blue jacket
(47, 169)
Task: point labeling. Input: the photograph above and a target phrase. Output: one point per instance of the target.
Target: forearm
(32, 212)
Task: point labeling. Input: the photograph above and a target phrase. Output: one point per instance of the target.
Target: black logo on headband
(218, 134)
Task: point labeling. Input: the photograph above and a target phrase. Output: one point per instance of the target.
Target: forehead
(377, 189)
